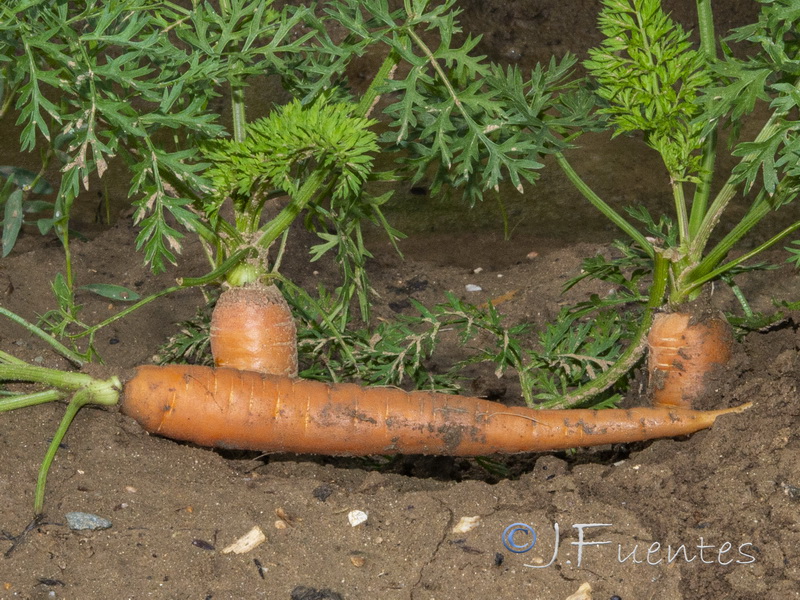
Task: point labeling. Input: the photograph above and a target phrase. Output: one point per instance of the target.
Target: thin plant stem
(760, 209)
(70, 355)
(87, 390)
(238, 113)
(504, 215)
(681, 212)
(237, 92)
(737, 292)
(702, 192)
(275, 228)
(10, 359)
(635, 349)
(743, 258)
(26, 400)
(601, 205)
(64, 380)
(323, 315)
(79, 400)
(183, 283)
(728, 191)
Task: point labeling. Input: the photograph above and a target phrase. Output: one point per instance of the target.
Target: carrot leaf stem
(722, 269)
(63, 380)
(87, 390)
(80, 398)
(10, 359)
(702, 191)
(635, 350)
(681, 212)
(728, 190)
(602, 206)
(275, 228)
(70, 355)
(372, 95)
(229, 263)
(25, 400)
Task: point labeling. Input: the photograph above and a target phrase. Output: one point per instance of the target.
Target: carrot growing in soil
(252, 328)
(682, 350)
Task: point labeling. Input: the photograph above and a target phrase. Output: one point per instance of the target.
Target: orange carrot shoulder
(682, 350)
(252, 328)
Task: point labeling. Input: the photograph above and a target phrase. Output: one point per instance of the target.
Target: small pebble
(203, 545)
(471, 287)
(582, 593)
(322, 492)
(78, 521)
(358, 560)
(531, 255)
(477, 270)
(791, 490)
(247, 542)
(357, 517)
(466, 524)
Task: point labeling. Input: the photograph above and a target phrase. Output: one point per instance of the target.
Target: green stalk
(681, 213)
(708, 46)
(183, 283)
(235, 259)
(87, 390)
(63, 380)
(276, 226)
(604, 208)
(760, 209)
(26, 400)
(70, 355)
(232, 261)
(705, 27)
(371, 96)
(728, 191)
(7, 358)
(237, 90)
(711, 275)
(635, 350)
(739, 294)
(238, 113)
(97, 392)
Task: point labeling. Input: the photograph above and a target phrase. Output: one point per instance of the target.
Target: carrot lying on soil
(682, 350)
(229, 408)
(252, 328)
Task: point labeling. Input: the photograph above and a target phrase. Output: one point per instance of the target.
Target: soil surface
(710, 516)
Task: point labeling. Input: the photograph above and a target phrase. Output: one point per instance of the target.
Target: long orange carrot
(228, 408)
(682, 350)
(252, 328)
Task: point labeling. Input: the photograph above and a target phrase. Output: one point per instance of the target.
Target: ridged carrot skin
(682, 350)
(252, 328)
(228, 408)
